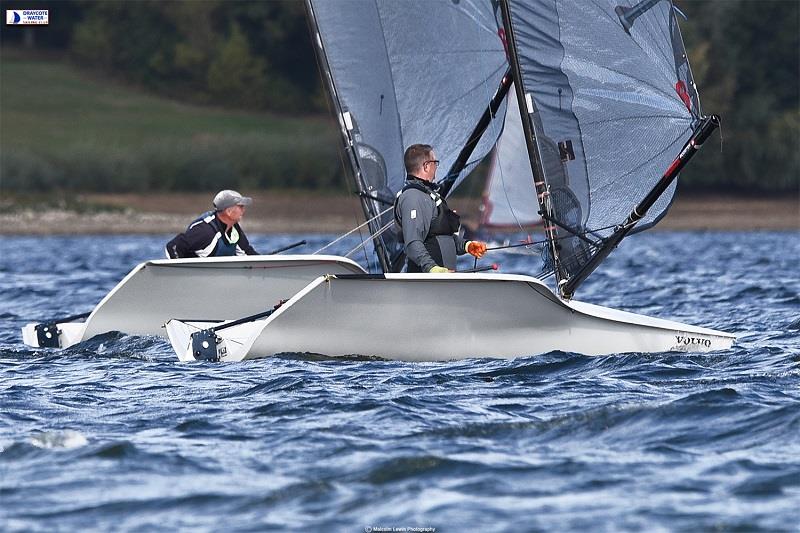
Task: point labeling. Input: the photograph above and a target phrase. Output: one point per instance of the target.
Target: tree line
(745, 56)
(257, 55)
(240, 54)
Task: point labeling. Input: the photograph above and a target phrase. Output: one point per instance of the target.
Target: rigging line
(364, 248)
(468, 164)
(378, 233)
(602, 228)
(357, 228)
(668, 27)
(563, 237)
(331, 111)
(533, 140)
(361, 236)
(234, 341)
(545, 274)
(595, 230)
(566, 227)
(347, 137)
(518, 245)
(485, 127)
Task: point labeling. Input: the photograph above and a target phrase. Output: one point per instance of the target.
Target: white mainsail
(401, 73)
(509, 202)
(610, 100)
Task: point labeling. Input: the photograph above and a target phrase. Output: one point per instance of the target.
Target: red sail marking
(683, 94)
(502, 34)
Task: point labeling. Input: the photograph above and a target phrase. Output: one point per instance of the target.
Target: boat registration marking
(685, 341)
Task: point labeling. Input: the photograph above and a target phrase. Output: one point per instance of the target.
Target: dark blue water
(115, 434)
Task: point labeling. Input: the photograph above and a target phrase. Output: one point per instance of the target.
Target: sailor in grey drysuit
(429, 227)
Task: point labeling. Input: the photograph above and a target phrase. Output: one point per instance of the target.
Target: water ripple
(115, 434)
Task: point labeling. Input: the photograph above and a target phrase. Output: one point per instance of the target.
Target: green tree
(746, 60)
(235, 75)
(127, 38)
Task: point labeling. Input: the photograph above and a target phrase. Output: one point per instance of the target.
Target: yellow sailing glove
(438, 270)
(476, 248)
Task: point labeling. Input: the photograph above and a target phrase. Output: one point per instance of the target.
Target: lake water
(115, 434)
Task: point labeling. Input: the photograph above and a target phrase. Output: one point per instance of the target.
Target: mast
(369, 203)
(695, 142)
(474, 137)
(527, 108)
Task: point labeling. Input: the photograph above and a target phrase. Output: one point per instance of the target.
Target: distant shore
(301, 212)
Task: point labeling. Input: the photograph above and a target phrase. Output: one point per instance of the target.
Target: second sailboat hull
(211, 288)
(440, 317)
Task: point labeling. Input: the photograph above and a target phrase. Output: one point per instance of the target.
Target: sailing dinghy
(391, 316)
(610, 115)
(156, 291)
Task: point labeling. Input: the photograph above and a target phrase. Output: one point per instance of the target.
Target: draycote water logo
(27, 16)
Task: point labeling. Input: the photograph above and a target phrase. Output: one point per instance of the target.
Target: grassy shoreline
(306, 212)
(64, 129)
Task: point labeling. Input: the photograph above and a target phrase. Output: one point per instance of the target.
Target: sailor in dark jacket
(215, 233)
(429, 227)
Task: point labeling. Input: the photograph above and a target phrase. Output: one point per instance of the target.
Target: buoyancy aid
(445, 221)
(222, 244)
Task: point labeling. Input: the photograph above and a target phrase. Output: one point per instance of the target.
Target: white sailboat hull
(439, 317)
(212, 288)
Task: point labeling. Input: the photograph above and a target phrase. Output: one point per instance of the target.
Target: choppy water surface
(115, 434)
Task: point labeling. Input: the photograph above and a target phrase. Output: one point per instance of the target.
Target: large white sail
(609, 94)
(509, 202)
(414, 71)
